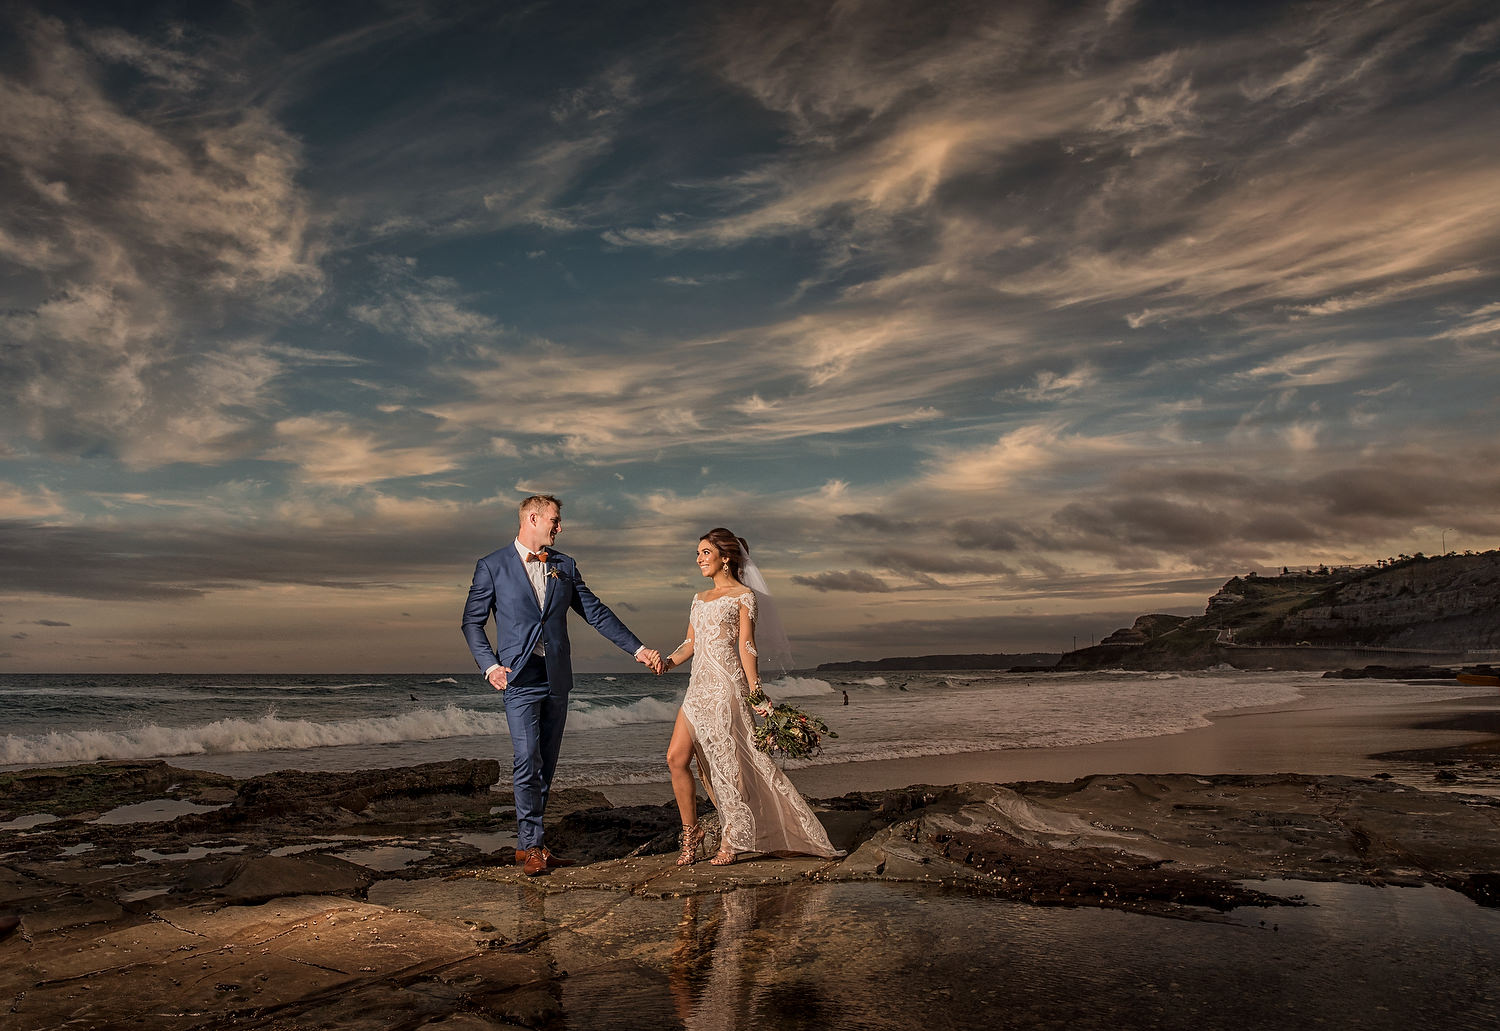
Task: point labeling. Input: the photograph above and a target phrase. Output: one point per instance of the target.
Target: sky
(990, 326)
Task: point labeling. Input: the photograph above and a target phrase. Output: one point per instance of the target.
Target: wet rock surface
(389, 898)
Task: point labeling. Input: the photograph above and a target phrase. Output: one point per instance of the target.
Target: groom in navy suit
(530, 588)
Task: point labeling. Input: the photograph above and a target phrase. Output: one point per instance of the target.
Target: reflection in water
(690, 956)
(854, 956)
(847, 956)
(727, 966)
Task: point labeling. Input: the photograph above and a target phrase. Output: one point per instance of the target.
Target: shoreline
(1316, 734)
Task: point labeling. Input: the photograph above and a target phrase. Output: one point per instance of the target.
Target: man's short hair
(539, 503)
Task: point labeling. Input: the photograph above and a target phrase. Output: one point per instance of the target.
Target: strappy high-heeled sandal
(692, 837)
(724, 858)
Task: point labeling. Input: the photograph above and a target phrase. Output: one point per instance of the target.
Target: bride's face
(709, 559)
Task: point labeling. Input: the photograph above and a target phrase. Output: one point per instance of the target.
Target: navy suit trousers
(536, 714)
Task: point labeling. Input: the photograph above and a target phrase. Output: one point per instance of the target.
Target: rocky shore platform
(138, 894)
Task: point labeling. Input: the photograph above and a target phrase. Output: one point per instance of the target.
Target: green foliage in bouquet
(788, 732)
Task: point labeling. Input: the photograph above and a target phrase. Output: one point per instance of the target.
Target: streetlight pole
(1445, 540)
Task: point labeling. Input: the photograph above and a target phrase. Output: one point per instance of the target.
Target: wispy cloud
(330, 451)
(850, 580)
(19, 503)
(421, 310)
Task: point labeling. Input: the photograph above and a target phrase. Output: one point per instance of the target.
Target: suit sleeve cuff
(639, 650)
(491, 670)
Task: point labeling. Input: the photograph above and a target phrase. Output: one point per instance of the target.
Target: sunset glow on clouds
(989, 326)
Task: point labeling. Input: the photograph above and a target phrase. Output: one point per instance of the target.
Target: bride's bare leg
(679, 755)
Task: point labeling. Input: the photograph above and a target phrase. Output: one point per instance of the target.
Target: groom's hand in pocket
(497, 677)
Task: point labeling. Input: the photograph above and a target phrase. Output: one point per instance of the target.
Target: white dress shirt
(536, 572)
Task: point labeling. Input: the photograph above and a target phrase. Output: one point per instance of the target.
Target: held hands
(651, 658)
(497, 677)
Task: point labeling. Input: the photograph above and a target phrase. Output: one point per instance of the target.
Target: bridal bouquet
(788, 731)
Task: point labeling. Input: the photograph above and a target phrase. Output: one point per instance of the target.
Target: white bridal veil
(773, 648)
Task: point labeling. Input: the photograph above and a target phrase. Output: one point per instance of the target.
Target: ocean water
(618, 725)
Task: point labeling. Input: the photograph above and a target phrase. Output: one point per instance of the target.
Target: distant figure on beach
(529, 589)
(730, 626)
(846, 697)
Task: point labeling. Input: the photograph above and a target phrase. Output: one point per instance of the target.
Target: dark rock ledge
(394, 887)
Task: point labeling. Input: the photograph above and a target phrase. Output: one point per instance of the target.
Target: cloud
(1022, 452)
(601, 98)
(493, 157)
(703, 279)
(820, 375)
(1053, 632)
(331, 451)
(1148, 521)
(18, 503)
(873, 522)
(1052, 386)
(987, 534)
(924, 565)
(51, 622)
(420, 310)
(849, 580)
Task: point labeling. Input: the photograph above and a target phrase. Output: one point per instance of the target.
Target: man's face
(545, 525)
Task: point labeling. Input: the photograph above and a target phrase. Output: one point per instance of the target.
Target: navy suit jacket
(502, 588)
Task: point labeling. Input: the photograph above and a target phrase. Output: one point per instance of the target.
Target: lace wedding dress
(759, 808)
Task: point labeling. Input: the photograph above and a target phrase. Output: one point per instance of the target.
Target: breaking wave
(646, 710)
(267, 733)
(272, 733)
(798, 687)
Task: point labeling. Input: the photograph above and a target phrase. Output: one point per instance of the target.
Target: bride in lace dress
(760, 809)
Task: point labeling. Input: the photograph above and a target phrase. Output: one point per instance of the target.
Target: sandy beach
(1321, 733)
(1264, 871)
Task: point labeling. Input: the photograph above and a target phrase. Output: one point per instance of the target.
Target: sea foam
(269, 732)
(645, 710)
(798, 687)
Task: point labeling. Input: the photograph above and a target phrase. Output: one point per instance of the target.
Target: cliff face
(1449, 604)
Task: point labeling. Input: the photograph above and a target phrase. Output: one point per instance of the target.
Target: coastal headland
(388, 899)
(1407, 610)
(1411, 610)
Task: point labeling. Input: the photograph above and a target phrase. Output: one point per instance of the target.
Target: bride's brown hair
(734, 549)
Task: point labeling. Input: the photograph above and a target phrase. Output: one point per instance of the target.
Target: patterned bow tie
(536, 556)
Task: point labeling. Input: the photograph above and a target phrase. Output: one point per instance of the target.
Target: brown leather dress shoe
(553, 862)
(536, 862)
